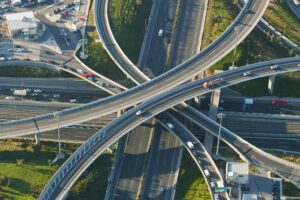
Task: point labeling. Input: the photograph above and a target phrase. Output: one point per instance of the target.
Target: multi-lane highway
(135, 159)
(88, 152)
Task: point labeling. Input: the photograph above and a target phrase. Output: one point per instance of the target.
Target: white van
(206, 172)
(190, 145)
(160, 33)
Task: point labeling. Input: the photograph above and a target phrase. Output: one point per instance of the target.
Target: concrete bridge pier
(271, 84)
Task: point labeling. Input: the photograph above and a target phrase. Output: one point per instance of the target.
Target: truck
(279, 102)
(220, 186)
(20, 92)
(248, 101)
(190, 145)
(208, 84)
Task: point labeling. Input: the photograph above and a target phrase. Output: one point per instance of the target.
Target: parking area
(60, 36)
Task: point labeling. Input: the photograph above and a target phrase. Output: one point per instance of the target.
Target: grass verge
(256, 47)
(218, 18)
(98, 59)
(191, 184)
(25, 169)
(283, 19)
(93, 183)
(128, 20)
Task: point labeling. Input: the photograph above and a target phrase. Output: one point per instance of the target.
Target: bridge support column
(37, 139)
(271, 84)
(213, 111)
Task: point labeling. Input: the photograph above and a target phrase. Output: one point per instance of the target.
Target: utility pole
(220, 116)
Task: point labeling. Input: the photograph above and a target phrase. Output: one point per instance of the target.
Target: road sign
(220, 189)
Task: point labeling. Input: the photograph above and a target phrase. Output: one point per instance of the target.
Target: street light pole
(236, 41)
(220, 116)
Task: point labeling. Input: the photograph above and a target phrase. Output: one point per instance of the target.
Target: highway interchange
(91, 149)
(158, 98)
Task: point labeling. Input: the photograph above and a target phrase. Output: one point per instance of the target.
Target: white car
(212, 184)
(79, 71)
(206, 172)
(37, 91)
(138, 112)
(170, 126)
(10, 98)
(274, 67)
(247, 73)
(216, 196)
(160, 33)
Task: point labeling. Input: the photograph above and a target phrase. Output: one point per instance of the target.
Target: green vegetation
(287, 156)
(256, 47)
(93, 183)
(128, 19)
(289, 189)
(25, 169)
(282, 18)
(229, 153)
(219, 16)
(98, 59)
(18, 71)
(191, 185)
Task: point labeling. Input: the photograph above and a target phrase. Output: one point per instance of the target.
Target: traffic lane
(285, 144)
(76, 135)
(158, 184)
(259, 106)
(265, 126)
(188, 39)
(157, 66)
(157, 54)
(134, 160)
(157, 48)
(149, 34)
(197, 151)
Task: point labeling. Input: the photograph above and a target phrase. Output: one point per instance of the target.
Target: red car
(279, 102)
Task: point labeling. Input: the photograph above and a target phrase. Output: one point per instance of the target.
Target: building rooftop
(249, 197)
(18, 21)
(240, 168)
